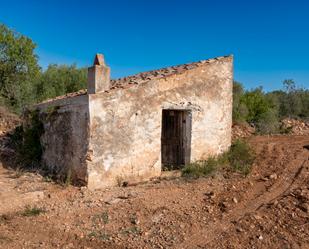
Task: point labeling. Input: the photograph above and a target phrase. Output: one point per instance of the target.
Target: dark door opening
(176, 138)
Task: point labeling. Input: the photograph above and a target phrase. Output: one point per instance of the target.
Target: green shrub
(99, 234)
(268, 123)
(131, 230)
(256, 103)
(240, 110)
(241, 157)
(34, 211)
(203, 168)
(26, 140)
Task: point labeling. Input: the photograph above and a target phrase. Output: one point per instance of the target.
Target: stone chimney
(98, 76)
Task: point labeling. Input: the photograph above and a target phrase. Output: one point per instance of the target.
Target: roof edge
(146, 76)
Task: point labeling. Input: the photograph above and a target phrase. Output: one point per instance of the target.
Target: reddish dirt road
(267, 209)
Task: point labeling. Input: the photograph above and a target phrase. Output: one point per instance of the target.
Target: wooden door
(176, 138)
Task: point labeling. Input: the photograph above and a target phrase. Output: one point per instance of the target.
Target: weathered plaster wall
(125, 124)
(65, 138)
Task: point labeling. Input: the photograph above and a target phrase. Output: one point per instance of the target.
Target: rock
(210, 194)
(304, 207)
(157, 217)
(83, 189)
(294, 126)
(273, 176)
(257, 217)
(260, 237)
(241, 130)
(265, 179)
(113, 201)
(235, 200)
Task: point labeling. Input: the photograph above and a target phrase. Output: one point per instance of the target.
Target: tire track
(255, 200)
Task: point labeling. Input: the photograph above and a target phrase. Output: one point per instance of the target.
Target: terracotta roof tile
(142, 77)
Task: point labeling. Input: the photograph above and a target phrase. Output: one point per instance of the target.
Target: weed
(34, 211)
(267, 123)
(131, 230)
(104, 236)
(241, 157)
(104, 217)
(203, 168)
(134, 220)
(68, 178)
(47, 178)
(92, 234)
(99, 235)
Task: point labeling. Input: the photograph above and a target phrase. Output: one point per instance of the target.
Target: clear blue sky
(269, 39)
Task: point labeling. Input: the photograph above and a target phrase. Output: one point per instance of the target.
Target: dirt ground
(267, 209)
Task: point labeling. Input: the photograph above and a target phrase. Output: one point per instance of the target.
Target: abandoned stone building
(131, 128)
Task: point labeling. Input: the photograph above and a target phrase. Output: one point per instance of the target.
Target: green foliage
(268, 122)
(104, 217)
(18, 69)
(68, 178)
(32, 211)
(22, 82)
(60, 79)
(240, 110)
(27, 143)
(265, 110)
(131, 230)
(256, 104)
(257, 108)
(239, 158)
(99, 234)
(201, 168)
(295, 101)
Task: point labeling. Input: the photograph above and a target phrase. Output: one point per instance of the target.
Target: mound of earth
(267, 209)
(242, 130)
(296, 126)
(291, 126)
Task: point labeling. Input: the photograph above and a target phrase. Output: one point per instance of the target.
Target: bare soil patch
(267, 209)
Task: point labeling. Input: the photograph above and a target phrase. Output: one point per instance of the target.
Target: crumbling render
(113, 130)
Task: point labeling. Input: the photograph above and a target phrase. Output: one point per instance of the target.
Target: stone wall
(125, 124)
(65, 138)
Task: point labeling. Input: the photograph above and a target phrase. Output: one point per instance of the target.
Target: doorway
(175, 138)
